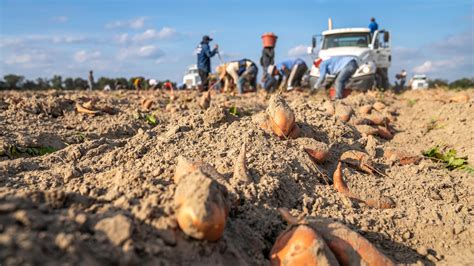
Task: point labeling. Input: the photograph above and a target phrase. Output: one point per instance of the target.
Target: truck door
(382, 50)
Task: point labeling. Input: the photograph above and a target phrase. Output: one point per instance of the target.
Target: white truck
(372, 50)
(191, 77)
(419, 82)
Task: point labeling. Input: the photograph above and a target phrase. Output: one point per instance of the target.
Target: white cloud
(152, 34)
(122, 38)
(426, 67)
(68, 39)
(60, 19)
(28, 59)
(299, 50)
(438, 66)
(136, 23)
(82, 56)
(142, 52)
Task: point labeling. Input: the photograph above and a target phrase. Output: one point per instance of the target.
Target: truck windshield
(346, 40)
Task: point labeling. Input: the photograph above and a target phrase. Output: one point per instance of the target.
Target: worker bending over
(291, 72)
(343, 67)
(238, 72)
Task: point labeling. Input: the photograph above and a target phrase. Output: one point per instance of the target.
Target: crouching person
(343, 67)
(291, 71)
(271, 79)
(239, 73)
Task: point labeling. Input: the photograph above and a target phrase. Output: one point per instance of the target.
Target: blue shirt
(373, 26)
(333, 66)
(204, 55)
(289, 64)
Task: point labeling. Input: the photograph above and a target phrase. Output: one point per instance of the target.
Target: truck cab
(372, 52)
(419, 82)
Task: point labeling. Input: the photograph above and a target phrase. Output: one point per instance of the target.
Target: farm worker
(204, 55)
(291, 72)
(373, 26)
(402, 77)
(90, 81)
(239, 72)
(137, 83)
(343, 67)
(271, 80)
(267, 59)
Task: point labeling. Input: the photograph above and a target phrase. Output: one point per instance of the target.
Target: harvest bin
(345, 93)
(269, 39)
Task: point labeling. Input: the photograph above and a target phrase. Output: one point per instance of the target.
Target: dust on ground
(105, 196)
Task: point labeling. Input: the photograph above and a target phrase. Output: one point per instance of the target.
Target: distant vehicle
(419, 82)
(372, 50)
(191, 77)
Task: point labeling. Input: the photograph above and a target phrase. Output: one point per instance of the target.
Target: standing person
(239, 72)
(204, 55)
(267, 58)
(402, 77)
(341, 66)
(90, 81)
(373, 26)
(291, 72)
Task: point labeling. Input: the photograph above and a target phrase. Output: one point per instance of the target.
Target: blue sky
(157, 38)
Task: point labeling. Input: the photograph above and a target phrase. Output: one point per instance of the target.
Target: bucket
(345, 93)
(269, 39)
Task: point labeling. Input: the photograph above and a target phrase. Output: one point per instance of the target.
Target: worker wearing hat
(204, 55)
(238, 72)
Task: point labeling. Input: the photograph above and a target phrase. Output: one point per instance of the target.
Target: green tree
(43, 83)
(3, 85)
(30, 85)
(57, 82)
(121, 81)
(463, 83)
(103, 81)
(69, 84)
(434, 83)
(13, 81)
(80, 83)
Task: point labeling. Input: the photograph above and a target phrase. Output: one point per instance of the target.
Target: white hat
(152, 82)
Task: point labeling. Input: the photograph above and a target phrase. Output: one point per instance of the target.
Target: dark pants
(204, 75)
(249, 75)
(296, 74)
(344, 75)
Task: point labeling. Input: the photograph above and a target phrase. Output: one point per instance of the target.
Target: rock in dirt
(214, 115)
(117, 228)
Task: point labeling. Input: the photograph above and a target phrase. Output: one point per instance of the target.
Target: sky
(157, 39)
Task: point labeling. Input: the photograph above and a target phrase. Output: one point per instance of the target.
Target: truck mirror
(386, 36)
(314, 42)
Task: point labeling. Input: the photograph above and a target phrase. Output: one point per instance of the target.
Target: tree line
(14, 82)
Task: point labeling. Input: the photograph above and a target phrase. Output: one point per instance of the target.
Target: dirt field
(105, 195)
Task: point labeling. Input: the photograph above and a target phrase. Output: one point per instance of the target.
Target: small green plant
(412, 102)
(81, 136)
(17, 151)
(433, 124)
(151, 119)
(233, 111)
(449, 159)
